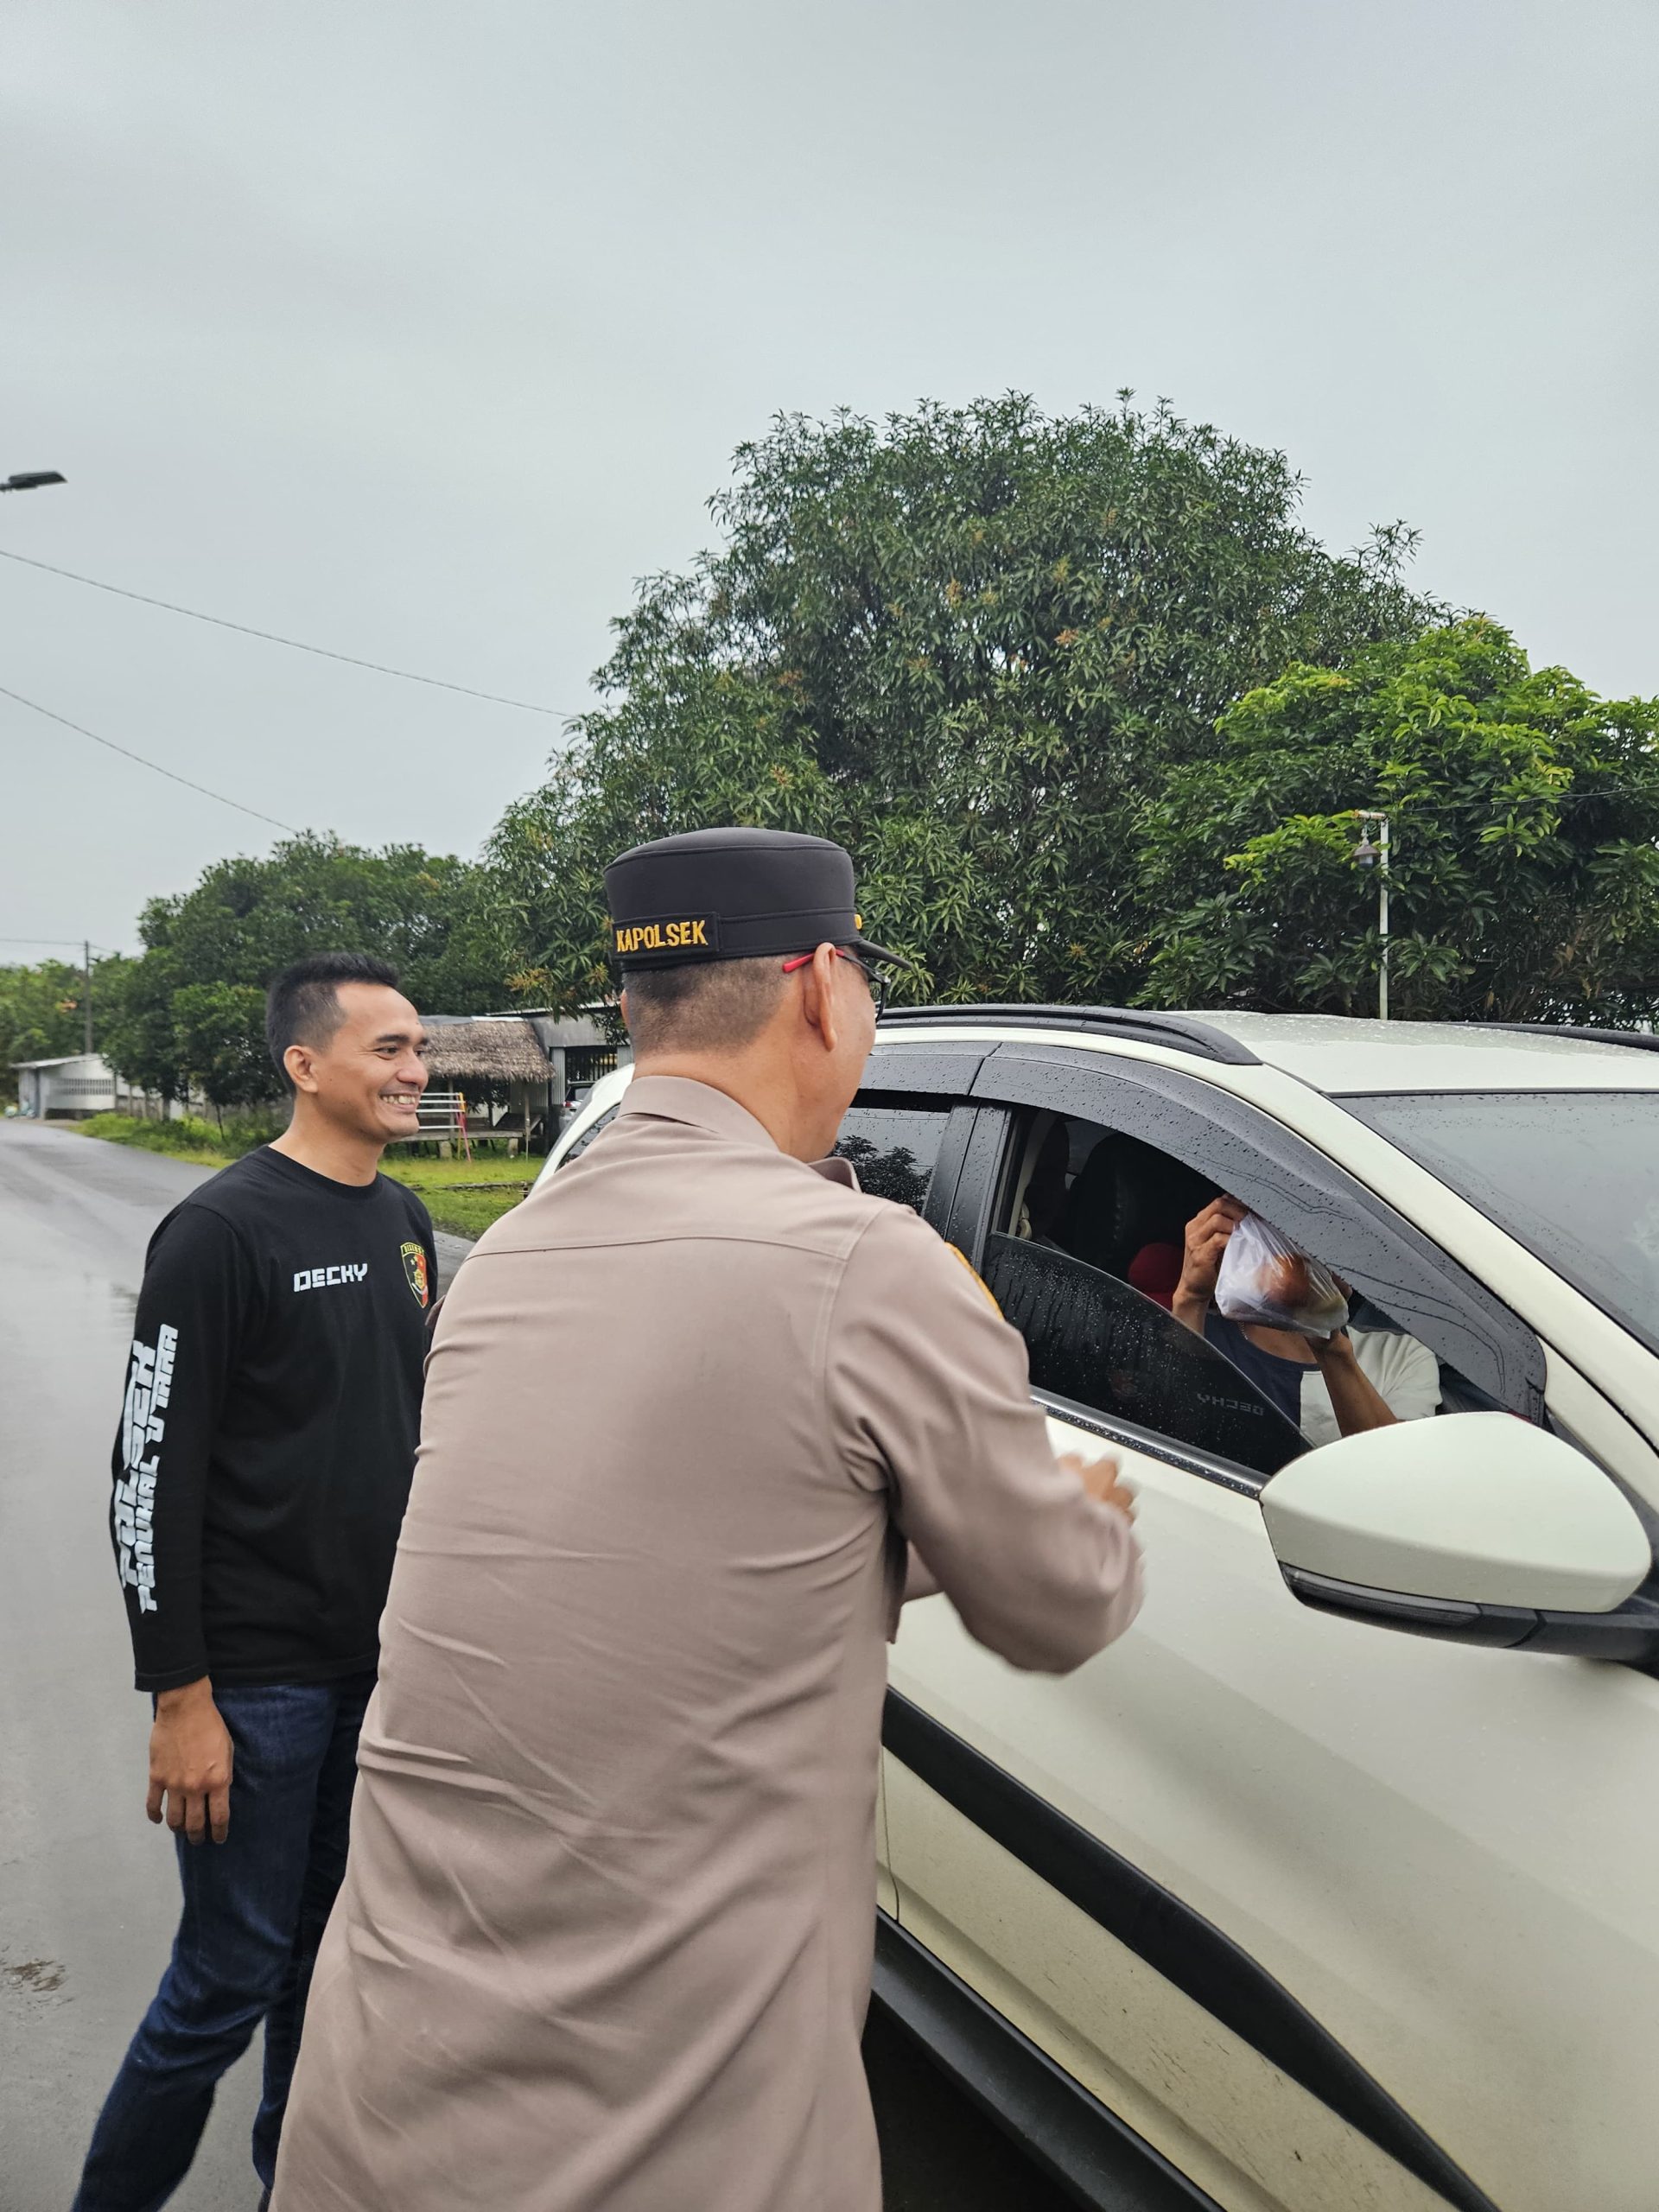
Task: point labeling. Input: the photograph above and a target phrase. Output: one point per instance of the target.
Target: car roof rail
(1642, 1040)
(1180, 1032)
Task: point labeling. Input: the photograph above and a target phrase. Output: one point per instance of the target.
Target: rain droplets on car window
(1573, 1175)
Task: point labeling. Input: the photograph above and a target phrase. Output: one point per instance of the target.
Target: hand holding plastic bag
(1263, 1278)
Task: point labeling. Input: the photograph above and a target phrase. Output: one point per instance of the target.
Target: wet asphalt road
(87, 1896)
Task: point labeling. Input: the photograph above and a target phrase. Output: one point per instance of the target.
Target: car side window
(1070, 1234)
(587, 1135)
(893, 1145)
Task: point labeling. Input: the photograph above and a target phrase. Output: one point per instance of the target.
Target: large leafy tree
(138, 1037)
(40, 1013)
(1525, 816)
(191, 1010)
(42, 1010)
(968, 642)
(218, 1034)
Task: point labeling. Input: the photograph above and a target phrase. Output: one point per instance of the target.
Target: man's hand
(190, 1760)
(1206, 1240)
(1100, 1479)
(1354, 1399)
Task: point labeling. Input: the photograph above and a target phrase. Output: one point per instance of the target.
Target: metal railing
(462, 1118)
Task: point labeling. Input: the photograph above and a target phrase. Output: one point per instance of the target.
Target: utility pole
(86, 954)
(1367, 855)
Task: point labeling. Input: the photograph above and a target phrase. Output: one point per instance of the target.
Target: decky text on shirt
(326, 1278)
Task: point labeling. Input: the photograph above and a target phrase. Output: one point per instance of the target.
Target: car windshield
(1572, 1174)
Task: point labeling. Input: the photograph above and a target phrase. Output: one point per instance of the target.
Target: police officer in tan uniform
(605, 1938)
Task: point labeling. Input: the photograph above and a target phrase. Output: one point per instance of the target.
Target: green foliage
(451, 1190)
(211, 1144)
(42, 1013)
(137, 1034)
(1090, 708)
(191, 1010)
(220, 1032)
(966, 643)
(39, 1015)
(1525, 812)
(187, 1138)
(425, 912)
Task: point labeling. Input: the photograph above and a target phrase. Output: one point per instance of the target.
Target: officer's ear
(622, 1008)
(819, 996)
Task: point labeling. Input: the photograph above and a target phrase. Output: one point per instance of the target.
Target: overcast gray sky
(421, 330)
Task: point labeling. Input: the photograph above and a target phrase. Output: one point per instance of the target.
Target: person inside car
(1043, 1206)
(1329, 1386)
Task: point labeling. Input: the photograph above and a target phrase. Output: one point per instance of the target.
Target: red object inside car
(1155, 1272)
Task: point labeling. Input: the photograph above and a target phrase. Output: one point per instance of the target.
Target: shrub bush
(191, 1136)
(186, 1136)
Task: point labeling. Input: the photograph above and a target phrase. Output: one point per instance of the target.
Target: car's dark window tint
(1093, 1339)
(588, 1136)
(894, 1147)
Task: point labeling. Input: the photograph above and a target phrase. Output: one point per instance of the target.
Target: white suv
(1334, 1884)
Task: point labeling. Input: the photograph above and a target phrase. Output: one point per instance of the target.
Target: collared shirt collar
(678, 1098)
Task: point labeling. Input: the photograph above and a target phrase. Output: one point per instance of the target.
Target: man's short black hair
(302, 1005)
(702, 1006)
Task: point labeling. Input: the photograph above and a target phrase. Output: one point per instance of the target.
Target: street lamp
(1369, 856)
(30, 480)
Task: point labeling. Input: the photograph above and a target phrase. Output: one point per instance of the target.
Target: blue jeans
(255, 1908)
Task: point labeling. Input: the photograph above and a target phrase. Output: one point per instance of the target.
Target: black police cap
(732, 894)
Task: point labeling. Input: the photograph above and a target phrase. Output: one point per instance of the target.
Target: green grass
(440, 1183)
(441, 1186)
(198, 1142)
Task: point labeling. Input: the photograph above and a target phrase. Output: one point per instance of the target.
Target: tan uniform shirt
(604, 1942)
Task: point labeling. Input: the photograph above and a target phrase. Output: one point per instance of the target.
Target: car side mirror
(1473, 1527)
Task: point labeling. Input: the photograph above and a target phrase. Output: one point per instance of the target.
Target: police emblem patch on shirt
(415, 1271)
(957, 1253)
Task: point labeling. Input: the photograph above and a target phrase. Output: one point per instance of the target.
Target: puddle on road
(41, 1976)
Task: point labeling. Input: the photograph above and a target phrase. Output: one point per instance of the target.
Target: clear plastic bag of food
(1263, 1278)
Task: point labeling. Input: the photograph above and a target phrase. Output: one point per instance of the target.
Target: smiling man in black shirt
(267, 1439)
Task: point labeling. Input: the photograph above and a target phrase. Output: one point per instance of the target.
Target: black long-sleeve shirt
(269, 1430)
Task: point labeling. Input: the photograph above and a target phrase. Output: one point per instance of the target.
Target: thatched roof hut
(504, 1050)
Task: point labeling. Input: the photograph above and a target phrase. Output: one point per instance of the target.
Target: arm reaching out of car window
(1207, 1235)
(1355, 1402)
(1354, 1399)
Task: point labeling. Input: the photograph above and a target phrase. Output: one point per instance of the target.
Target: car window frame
(993, 1138)
(952, 1135)
(1389, 1259)
(581, 1141)
(923, 1069)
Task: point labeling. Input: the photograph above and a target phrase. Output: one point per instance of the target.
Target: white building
(83, 1084)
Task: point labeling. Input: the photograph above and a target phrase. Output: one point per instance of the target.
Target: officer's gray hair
(703, 1006)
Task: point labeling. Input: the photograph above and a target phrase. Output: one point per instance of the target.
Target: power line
(295, 645)
(126, 752)
(60, 940)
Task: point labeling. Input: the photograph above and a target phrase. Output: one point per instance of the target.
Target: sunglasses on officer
(873, 976)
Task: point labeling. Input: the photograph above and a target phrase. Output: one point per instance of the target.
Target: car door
(905, 1138)
(1331, 1915)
